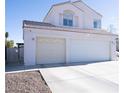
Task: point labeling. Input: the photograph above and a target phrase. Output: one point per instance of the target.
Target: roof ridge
(61, 3)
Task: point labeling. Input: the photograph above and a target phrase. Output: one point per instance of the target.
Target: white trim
(76, 30)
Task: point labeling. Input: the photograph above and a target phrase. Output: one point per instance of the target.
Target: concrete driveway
(91, 78)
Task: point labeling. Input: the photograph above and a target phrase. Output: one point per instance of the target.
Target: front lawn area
(26, 82)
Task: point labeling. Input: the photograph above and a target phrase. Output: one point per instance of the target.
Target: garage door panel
(89, 50)
(50, 50)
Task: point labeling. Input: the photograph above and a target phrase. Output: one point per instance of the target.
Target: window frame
(68, 18)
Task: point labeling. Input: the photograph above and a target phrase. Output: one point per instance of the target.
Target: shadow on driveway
(10, 68)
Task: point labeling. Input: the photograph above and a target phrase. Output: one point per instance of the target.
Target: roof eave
(90, 31)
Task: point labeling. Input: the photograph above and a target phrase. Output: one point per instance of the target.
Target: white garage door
(50, 50)
(89, 50)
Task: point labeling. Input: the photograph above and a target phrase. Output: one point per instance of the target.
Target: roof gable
(74, 4)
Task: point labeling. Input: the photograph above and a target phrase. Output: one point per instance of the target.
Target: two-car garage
(52, 44)
(54, 50)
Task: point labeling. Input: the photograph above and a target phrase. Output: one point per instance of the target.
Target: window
(68, 18)
(97, 24)
(67, 22)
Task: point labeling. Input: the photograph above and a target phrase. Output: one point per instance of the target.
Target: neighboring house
(70, 32)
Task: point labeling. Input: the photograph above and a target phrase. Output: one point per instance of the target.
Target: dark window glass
(70, 22)
(95, 24)
(67, 22)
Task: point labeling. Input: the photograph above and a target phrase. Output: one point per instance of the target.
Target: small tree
(6, 36)
(10, 44)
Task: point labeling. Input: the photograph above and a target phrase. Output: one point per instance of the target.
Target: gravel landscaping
(26, 82)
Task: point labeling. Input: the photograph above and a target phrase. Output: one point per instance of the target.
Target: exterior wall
(113, 48)
(89, 14)
(85, 17)
(54, 16)
(50, 18)
(30, 36)
(29, 47)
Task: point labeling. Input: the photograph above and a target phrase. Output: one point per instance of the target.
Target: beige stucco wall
(85, 15)
(30, 35)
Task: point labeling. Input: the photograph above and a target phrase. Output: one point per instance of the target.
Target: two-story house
(70, 32)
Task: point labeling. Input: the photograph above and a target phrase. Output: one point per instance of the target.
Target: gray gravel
(26, 82)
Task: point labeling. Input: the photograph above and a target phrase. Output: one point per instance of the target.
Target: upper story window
(97, 24)
(68, 18)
